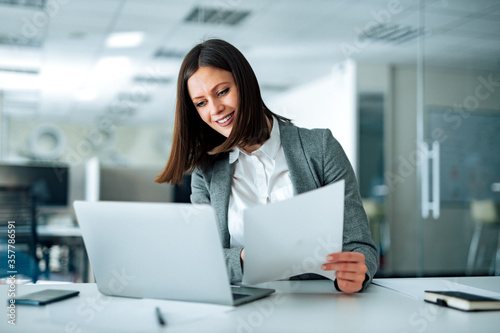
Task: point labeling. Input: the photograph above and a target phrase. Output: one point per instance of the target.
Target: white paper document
(292, 237)
(416, 288)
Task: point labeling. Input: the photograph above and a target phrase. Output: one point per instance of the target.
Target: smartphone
(45, 296)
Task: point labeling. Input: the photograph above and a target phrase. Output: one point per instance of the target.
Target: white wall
(328, 102)
(373, 78)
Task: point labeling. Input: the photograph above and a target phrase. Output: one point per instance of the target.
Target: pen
(159, 316)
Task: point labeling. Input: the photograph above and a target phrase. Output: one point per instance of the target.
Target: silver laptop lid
(155, 250)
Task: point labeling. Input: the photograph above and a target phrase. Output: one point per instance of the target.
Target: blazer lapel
(303, 179)
(220, 184)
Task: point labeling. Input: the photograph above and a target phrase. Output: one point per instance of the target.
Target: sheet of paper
(292, 237)
(120, 314)
(415, 287)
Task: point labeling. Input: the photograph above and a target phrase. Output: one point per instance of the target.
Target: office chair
(484, 253)
(375, 212)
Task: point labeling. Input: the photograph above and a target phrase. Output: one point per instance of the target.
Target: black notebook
(462, 301)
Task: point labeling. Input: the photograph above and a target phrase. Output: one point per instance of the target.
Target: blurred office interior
(410, 88)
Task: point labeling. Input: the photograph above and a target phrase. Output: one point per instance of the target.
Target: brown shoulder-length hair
(195, 144)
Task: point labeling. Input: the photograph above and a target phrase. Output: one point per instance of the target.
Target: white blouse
(259, 178)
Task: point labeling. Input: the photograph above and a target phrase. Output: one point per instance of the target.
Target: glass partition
(458, 139)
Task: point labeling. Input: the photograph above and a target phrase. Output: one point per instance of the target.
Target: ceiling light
(124, 39)
(20, 41)
(202, 15)
(36, 4)
(19, 81)
(169, 53)
(109, 69)
(60, 76)
(392, 33)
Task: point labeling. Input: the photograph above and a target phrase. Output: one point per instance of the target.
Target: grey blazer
(314, 159)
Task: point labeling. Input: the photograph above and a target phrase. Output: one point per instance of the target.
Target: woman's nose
(217, 107)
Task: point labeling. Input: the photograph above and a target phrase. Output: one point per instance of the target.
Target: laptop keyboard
(237, 296)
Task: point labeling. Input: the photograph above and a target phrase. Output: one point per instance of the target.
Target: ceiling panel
(461, 6)
(479, 26)
(90, 8)
(11, 57)
(437, 43)
(288, 42)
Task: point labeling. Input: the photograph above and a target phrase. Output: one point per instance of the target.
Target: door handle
(430, 155)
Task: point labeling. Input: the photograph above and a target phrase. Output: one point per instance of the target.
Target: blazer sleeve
(357, 235)
(200, 194)
(199, 190)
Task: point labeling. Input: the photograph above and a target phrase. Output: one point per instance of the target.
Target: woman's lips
(226, 120)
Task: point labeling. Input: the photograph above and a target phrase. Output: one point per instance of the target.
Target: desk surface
(58, 231)
(297, 306)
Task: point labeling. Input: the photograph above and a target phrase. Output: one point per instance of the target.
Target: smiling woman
(242, 155)
(206, 72)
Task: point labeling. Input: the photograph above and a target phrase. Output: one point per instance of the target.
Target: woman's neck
(252, 148)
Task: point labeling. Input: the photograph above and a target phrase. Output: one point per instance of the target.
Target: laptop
(158, 250)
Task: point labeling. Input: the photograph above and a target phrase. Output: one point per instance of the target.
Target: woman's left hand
(350, 270)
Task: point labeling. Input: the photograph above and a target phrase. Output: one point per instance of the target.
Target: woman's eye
(223, 92)
(200, 104)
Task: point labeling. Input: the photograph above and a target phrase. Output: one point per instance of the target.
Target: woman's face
(215, 96)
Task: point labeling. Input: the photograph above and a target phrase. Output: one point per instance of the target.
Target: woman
(242, 154)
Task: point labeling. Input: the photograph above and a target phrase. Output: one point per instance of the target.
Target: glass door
(458, 128)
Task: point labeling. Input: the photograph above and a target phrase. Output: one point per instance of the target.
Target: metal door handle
(430, 154)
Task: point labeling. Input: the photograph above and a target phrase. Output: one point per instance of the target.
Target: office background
(410, 89)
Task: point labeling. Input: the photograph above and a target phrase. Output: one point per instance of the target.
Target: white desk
(313, 306)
